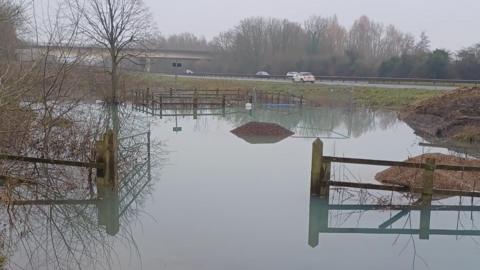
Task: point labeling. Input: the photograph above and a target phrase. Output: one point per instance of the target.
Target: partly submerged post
(108, 209)
(318, 219)
(195, 104)
(427, 193)
(320, 173)
(428, 177)
(153, 103)
(106, 154)
(223, 104)
(425, 213)
(160, 101)
(315, 174)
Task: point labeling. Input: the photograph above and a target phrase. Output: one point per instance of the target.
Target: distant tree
(437, 64)
(388, 67)
(423, 45)
(467, 65)
(324, 35)
(325, 47)
(365, 37)
(186, 41)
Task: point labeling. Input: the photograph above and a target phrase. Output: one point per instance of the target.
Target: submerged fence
(321, 168)
(157, 102)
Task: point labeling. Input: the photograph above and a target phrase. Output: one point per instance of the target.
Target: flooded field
(195, 196)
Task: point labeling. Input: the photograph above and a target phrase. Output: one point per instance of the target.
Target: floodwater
(217, 201)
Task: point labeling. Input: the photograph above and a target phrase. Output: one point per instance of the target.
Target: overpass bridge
(90, 55)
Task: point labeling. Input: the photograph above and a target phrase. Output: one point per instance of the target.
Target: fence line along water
(321, 167)
(320, 193)
(157, 102)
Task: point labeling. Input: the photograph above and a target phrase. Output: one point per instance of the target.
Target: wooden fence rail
(52, 161)
(399, 164)
(159, 99)
(321, 167)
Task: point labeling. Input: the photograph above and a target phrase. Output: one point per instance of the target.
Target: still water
(213, 200)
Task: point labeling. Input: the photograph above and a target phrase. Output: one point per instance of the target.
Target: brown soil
(454, 115)
(259, 128)
(411, 177)
(257, 132)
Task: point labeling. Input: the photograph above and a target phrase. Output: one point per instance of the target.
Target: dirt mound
(454, 115)
(411, 177)
(258, 132)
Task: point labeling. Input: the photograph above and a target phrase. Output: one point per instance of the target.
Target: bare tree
(11, 18)
(115, 25)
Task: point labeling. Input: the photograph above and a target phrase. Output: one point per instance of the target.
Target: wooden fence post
(427, 193)
(160, 101)
(108, 209)
(153, 103)
(318, 219)
(195, 104)
(428, 177)
(223, 104)
(106, 154)
(316, 171)
(134, 99)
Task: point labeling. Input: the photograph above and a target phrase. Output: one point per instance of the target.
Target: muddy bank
(411, 177)
(453, 115)
(258, 132)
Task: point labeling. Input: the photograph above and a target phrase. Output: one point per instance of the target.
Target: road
(334, 83)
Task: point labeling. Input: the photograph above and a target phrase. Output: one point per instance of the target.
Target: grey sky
(449, 24)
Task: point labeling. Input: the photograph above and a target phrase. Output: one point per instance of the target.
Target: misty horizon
(446, 29)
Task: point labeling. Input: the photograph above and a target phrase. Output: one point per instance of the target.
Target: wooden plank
(403, 189)
(400, 207)
(400, 231)
(55, 202)
(369, 186)
(399, 164)
(52, 161)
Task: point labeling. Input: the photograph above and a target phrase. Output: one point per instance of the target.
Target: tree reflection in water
(343, 122)
(59, 218)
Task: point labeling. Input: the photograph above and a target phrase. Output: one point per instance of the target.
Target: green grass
(392, 98)
(366, 96)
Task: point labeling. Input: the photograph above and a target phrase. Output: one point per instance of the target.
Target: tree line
(325, 47)
(320, 44)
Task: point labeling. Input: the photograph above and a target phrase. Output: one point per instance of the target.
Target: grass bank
(377, 97)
